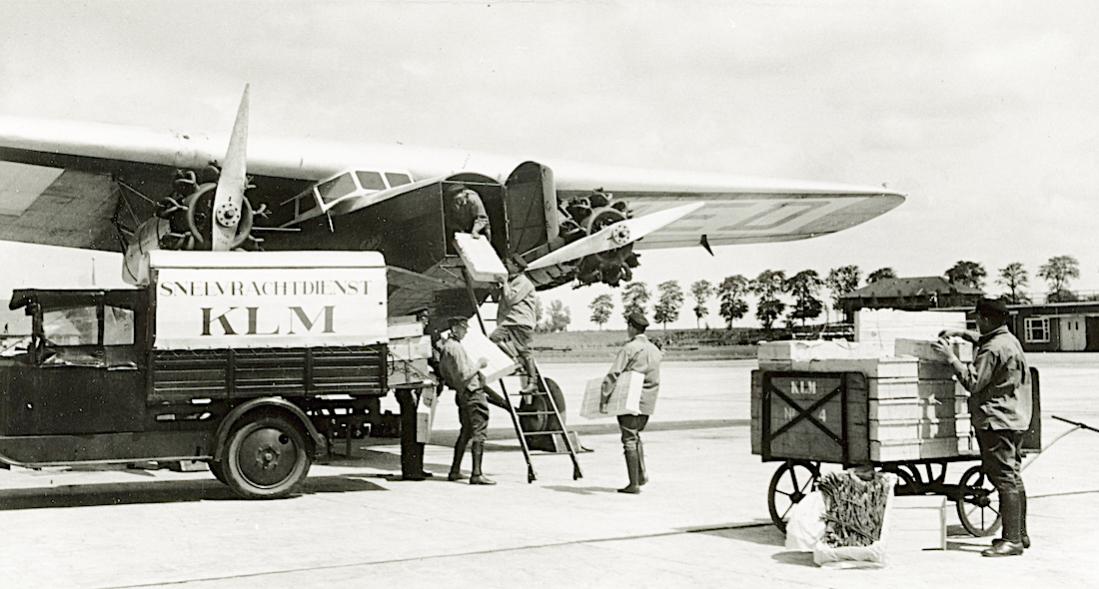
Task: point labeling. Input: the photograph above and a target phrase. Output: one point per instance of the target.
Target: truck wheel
(218, 469)
(266, 458)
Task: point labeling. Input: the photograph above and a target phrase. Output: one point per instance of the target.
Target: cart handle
(1076, 423)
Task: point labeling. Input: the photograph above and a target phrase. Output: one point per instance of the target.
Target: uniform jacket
(999, 383)
(638, 355)
(516, 307)
(456, 368)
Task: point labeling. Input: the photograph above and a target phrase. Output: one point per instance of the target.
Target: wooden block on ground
(188, 466)
(917, 522)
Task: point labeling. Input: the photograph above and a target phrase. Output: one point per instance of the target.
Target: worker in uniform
(465, 212)
(641, 356)
(460, 373)
(1000, 409)
(515, 322)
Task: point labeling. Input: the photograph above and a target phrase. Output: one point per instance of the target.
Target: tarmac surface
(702, 521)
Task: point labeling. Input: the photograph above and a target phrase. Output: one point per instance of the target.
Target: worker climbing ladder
(535, 411)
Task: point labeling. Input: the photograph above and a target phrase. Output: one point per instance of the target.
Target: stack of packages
(912, 407)
(855, 516)
(409, 352)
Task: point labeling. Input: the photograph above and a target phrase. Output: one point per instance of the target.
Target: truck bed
(182, 375)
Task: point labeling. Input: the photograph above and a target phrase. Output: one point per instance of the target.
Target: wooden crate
(894, 429)
(805, 439)
(892, 409)
(922, 349)
(893, 388)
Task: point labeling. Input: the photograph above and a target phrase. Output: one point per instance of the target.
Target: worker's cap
(637, 319)
(992, 308)
(457, 321)
(453, 188)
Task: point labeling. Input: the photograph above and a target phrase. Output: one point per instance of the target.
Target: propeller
(615, 236)
(229, 197)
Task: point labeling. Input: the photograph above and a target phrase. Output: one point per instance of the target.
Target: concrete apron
(702, 520)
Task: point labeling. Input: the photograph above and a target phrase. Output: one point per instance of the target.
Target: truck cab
(250, 361)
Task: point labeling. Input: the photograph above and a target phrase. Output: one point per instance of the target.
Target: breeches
(1001, 458)
(473, 414)
(515, 342)
(631, 426)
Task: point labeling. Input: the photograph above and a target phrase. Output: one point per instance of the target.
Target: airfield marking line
(450, 555)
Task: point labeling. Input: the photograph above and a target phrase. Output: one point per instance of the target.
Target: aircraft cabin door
(531, 202)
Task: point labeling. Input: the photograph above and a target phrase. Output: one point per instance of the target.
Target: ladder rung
(545, 433)
(536, 413)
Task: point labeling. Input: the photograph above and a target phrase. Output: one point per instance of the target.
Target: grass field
(679, 344)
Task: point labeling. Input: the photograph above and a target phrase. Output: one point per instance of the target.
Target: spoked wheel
(791, 483)
(265, 458)
(979, 505)
(909, 479)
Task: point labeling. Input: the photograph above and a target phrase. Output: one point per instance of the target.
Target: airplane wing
(91, 185)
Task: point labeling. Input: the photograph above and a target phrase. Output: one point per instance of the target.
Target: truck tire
(218, 469)
(266, 457)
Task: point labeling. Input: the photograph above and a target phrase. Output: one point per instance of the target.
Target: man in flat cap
(463, 375)
(1000, 409)
(465, 212)
(641, 356)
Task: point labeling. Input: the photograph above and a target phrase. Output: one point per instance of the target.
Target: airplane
(131, 190)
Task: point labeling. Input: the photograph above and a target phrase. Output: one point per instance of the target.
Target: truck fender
(320, 444)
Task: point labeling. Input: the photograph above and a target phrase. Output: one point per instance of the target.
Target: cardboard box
(404, 326)
(917, 522)
(425, 415)
(885, 326)
(410, 348)
(479, 258)
(922, 349)
(879, 367)
(893, 409)
(894, 429)
(409, 372)
(625, 400)
(893, 388)
(478, 346)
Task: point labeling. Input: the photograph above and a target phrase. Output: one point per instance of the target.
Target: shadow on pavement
(86, 495)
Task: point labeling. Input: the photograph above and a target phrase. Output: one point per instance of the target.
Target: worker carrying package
(624, 400)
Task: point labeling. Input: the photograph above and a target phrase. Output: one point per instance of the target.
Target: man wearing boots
(1000, 408)
(462, 375)
(515, 322)
(638, 355)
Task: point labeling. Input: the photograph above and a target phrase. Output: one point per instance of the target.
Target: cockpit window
(336, 188)
(397, 179)
(371, 180)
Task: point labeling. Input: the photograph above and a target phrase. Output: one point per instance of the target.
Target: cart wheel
(932, 478)
(792, 481)
(908, 485)
(979, 505)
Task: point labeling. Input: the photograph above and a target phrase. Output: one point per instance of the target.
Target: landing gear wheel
(978, 504)
(265, 458)
(540, 423)
(790, 484)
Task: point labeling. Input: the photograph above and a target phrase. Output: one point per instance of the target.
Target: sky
(983, 113)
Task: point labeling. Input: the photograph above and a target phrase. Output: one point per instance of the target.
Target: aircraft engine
(190, 210)
(586, 216)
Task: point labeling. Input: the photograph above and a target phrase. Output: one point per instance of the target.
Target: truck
(253, 362)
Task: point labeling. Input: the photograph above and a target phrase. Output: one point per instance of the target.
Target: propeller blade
(229, 197)
(615, 236)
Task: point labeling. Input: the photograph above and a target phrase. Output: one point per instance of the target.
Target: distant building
(909, 294)
(1057, 327)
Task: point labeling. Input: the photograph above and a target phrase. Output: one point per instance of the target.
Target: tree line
(798, 297)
